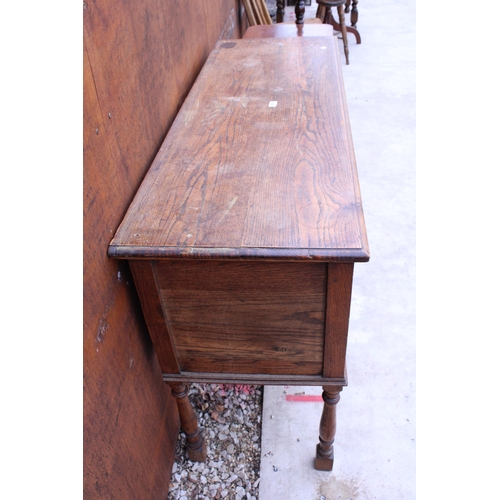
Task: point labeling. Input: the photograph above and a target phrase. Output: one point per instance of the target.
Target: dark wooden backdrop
(140, 60)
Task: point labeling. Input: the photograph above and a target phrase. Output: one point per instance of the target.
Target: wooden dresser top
(259, 162)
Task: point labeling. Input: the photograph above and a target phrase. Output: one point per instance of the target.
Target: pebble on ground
(229, 417)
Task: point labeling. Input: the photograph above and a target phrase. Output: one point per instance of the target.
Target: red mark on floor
(304, 398)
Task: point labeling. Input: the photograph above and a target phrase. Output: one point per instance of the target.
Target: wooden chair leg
(280, 10)
(196, 447)
(327, 428)
(300, 9)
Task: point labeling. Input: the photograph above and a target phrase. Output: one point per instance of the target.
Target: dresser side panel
(238, 317)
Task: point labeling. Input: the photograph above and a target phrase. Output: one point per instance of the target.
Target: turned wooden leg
(300, 10)
(196, 448)
(340, 10)
(327, 428)
(280, 10)
(354, 13)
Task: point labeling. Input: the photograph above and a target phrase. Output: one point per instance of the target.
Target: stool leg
(354, 13)
(196, 447)
(321, 13)
(329, 19)
(343, 30)
(327, 428)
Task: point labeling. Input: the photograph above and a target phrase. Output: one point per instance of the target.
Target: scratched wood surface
(258, 163)
(243, 317)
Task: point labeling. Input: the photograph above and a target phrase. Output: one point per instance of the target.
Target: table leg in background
(196, 447)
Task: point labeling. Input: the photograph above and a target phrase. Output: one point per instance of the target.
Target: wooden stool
(325, 14)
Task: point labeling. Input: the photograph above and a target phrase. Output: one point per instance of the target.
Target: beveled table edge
(265, 253)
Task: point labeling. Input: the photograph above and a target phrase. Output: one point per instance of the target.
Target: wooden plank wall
(140, 60)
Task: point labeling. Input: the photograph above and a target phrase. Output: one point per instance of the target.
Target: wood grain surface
(140, 60)
(145, 281)
(282, 30)
(122, 378)
(338, 306)
(258, 163)
(236, 317)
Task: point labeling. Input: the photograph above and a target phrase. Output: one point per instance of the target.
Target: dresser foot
(195, 444)
(327, 428)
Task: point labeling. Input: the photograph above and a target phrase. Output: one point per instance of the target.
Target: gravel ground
(271, 7)
(229, 417)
